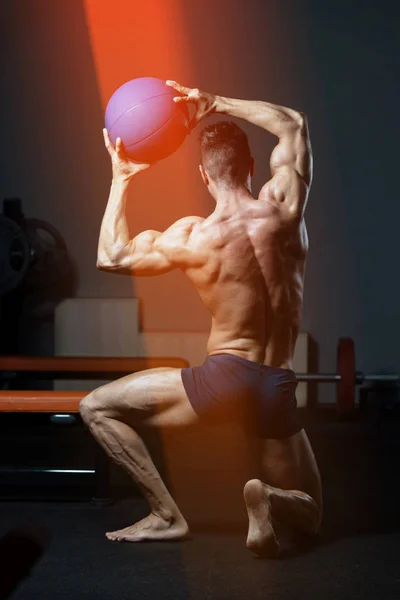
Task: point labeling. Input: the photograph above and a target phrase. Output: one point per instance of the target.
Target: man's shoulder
(178, 242)
(188, 222)
(186, 226)
(182, 229)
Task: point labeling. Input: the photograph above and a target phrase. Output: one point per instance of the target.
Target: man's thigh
(153, 398)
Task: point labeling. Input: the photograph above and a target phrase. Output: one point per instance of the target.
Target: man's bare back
(251, 280)
(247, 263)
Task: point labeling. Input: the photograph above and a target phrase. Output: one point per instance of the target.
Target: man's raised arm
(291, 160)
(290, 126)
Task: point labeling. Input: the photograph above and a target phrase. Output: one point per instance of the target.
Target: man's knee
(89, 408)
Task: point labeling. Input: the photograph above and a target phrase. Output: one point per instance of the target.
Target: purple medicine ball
(143, 114)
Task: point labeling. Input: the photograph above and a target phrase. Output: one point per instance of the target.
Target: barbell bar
(346, 377)
(360, 377)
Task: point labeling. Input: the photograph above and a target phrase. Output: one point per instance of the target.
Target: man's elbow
(108, 259)
(118, 267)
(113, 258)
(301, 121)
(292, 123)
(105, 264)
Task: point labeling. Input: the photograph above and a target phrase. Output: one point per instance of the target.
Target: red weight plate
(346, 368)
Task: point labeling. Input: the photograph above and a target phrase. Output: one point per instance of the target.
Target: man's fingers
(177, 86)
(107, 142)
(106, 137)
(192, 97)
(119, 146)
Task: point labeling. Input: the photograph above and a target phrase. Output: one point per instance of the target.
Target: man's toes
(129, 538)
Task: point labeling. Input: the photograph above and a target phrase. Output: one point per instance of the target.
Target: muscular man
(247, 262)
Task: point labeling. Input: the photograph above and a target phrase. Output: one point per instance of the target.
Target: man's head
(226, 161)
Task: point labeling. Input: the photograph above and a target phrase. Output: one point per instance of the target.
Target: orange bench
(55, 401)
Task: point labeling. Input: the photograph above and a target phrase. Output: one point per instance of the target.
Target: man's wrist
(120, 181)
(221, 104)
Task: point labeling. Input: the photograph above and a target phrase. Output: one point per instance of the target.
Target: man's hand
(122, 166)
(205, 104)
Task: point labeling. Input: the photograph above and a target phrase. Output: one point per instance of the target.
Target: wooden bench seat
(36, 401)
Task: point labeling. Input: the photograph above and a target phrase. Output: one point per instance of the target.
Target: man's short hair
(225, 153)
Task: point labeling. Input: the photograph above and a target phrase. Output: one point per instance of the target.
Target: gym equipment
(14, 255)
(143, 114)
(33, 253)
(52, 276)
(346, 377)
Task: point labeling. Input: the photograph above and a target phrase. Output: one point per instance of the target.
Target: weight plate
(49, 255)
(14, 255)
(346, 368)
(52, 275)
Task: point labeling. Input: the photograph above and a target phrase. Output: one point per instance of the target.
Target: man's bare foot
(152, 528)
(261, 537)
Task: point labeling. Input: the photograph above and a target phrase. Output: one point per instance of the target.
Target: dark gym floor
(355, 557)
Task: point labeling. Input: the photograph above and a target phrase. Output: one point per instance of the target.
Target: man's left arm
(149, 253)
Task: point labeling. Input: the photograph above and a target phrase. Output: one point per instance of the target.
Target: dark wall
(352, 63)
(335, 61)
(50, 121)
